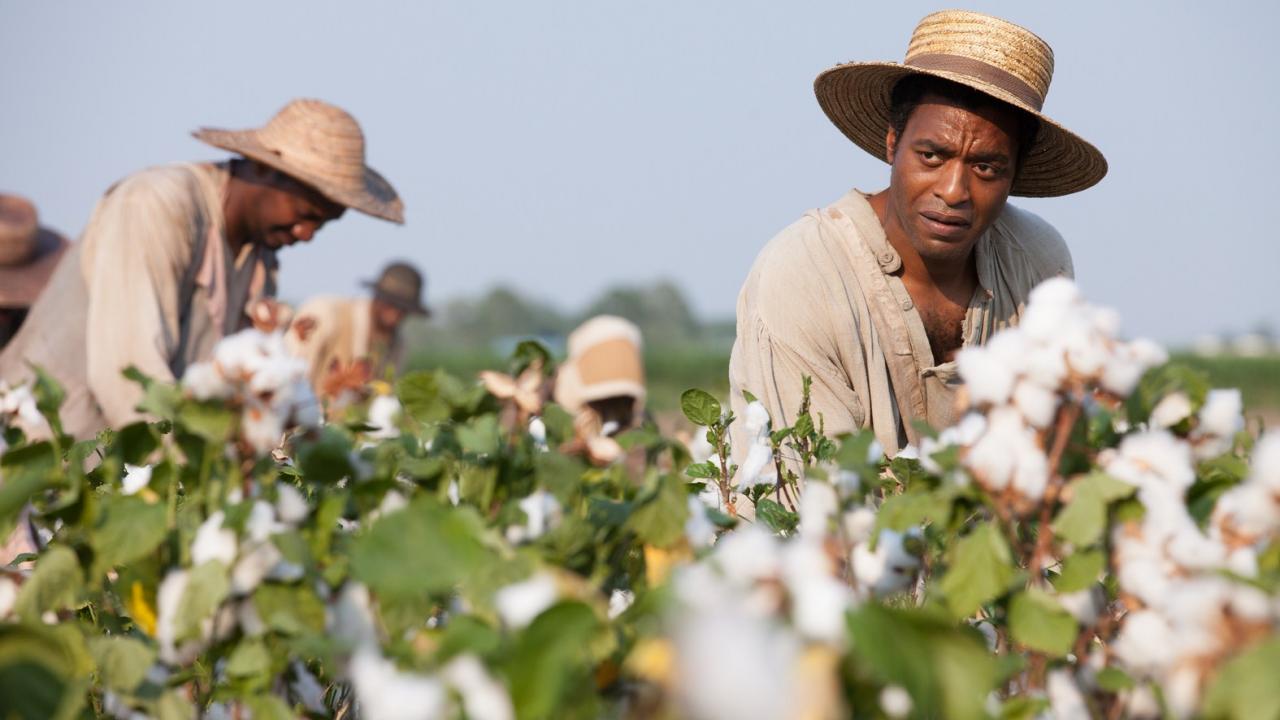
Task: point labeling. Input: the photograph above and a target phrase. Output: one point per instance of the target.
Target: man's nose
(303, 232)
(953, 185)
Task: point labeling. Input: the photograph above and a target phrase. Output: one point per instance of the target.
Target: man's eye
(928, 156)
(987, 169)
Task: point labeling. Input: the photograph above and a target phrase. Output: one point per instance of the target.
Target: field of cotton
(1098, 537)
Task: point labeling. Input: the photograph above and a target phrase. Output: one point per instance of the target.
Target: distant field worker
(605, 373)
(346, 330)
(172, 256)
(28, 255)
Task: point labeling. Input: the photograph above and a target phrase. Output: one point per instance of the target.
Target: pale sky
(565, 147)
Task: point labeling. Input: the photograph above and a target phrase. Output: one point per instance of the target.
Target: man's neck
(233, 215)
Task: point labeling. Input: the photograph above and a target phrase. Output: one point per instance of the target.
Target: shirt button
(906, 305)
(886, 257)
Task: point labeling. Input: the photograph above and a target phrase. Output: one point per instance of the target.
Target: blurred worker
(604, 373)
(28, 255)
(341, 331)
(172, 255)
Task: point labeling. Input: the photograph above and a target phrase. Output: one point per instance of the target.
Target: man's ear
(890, 145)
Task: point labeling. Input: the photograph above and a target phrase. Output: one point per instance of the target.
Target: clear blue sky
(564, 147)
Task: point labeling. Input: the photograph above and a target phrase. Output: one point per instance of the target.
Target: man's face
(285, 212)
(952, 171)
(387, 317)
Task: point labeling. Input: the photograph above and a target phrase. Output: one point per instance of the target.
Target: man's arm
(138, 246)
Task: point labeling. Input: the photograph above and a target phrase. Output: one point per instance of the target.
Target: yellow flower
(141, 611)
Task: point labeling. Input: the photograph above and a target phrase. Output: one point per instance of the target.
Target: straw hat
(28, 253)
(990, 55)
(321, 145)
(400, 284)
(604, 361)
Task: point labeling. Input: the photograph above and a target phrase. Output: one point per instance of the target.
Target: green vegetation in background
(1257, 377)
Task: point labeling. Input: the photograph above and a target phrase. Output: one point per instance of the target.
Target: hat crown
(18, 228)
(997, 51)
(319, 138)
(400, 281)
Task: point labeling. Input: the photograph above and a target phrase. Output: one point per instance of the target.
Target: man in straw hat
(335, 332)
(172, 255)
(28, 255)
(873, 295)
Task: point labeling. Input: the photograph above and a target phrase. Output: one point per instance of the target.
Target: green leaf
(122, 661)
(480, 435)
(56, 584)
(1084, 519)
(1080, 570)
(211, 421)
(700, 407)
(289, 609)
(423, 548)
(1039, 622)
(549, 662)
(660, 519)
(207, 586)
(250, 658)
(1246, 686)
(1023, 708)
(702, 470)
(778, 518)
(128, 528)
(947, 670)
(912, 508)
(420, 396)
(980, 569)
(25, 471)
(1113, 679)
(328, 459)
(37, 673)
(1162, 381)
(269, 707)
(746, 395)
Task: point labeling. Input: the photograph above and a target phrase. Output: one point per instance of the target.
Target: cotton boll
(136, 477)
(1082, 604)
(386, 693)
(699, 529)
(895, 701)
(483, 698)
(168, 600)
(1249, 510)
(205, 381)
(732, 665)
(757, 468)
(253, 566)
(819, 600)
(290, 505)
(1171, 410)
(213, 542)
(1182, 691)
(1265, 469)
(538, 432)
(619, 602)
(1008, 454)
(519, 603)
(1153, 456)
(1031, 476)
(748, 555)
(1222, 413)
(1243, 561)
(1049, 305)
(818, 504)
(1065, 699)
(755, 420)
(1141, 702)
(542, 514)
(888, 568)
(349, 618)
(859, 524)
(1143, 642)
(1193, 551)
(384, 414)
(989, 371)
(261, 429)
(262, 521)
(307, 689)
(1037, 403)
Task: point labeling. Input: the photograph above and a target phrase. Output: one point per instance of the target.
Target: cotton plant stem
(1067, 417)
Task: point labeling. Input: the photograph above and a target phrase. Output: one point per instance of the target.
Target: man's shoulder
(1035, 241)
(813, 246)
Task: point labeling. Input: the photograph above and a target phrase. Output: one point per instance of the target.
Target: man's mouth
(944, 224)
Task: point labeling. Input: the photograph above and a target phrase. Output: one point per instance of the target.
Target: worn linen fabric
(825, 298)
(152, 284)
(343, 333)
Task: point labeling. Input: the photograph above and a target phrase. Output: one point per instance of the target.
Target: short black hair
(910, 90)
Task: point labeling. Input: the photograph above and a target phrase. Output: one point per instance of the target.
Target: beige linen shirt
(825, 299)
(152, 284)
(343, 332)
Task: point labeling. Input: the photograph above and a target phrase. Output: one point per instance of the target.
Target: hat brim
(20, 285)
(416, 308)
(856, 98)
(375, 197)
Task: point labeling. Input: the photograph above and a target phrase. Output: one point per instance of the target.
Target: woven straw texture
(993, 56)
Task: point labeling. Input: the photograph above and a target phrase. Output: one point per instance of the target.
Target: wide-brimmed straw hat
(400, 284)
(604, 361)
(990, 55)
(28, 253)
(321, 145)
